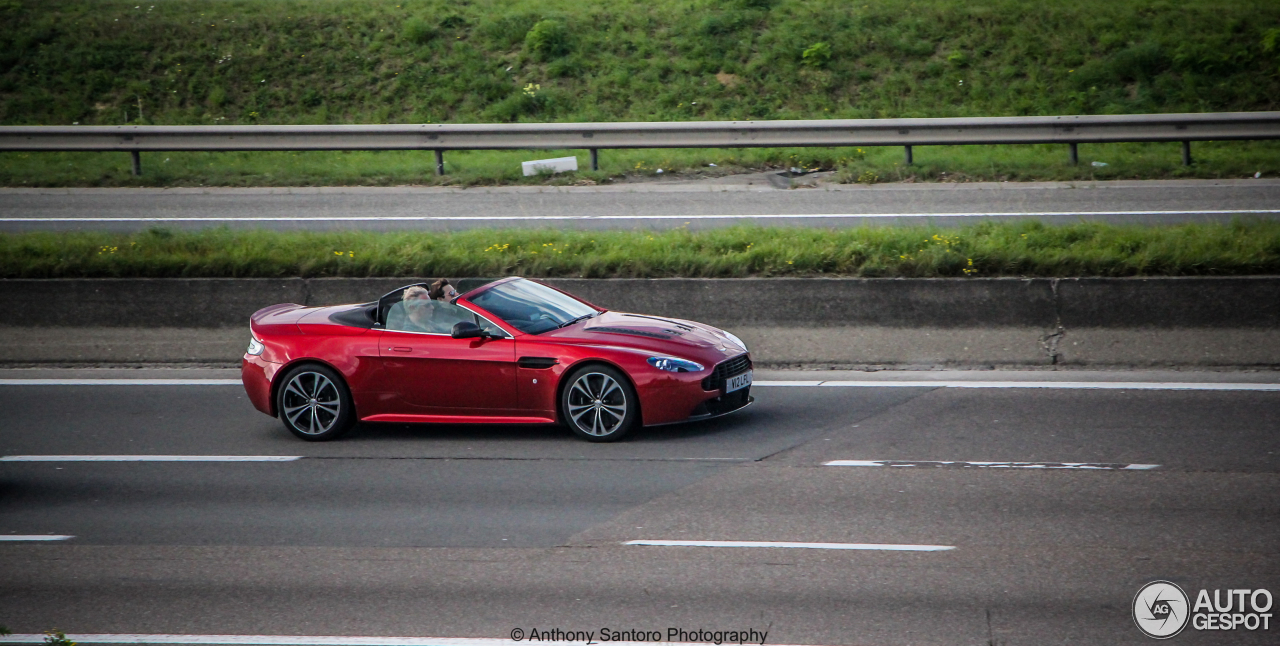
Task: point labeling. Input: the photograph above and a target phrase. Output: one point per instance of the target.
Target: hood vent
(623, 330)
(682, 326)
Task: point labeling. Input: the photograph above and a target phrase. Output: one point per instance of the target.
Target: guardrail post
(1075, 154)
(137, 162)
(1186, 153)
(595, 159)
(439, 162)
(910, 159)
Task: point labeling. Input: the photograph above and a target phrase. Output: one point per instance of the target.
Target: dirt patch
(727, 80)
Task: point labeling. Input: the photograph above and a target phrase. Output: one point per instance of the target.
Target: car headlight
(672, 364)
(255, 347)
(733, 337)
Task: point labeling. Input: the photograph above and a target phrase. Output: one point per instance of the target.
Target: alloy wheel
(311, 403)
(597, 404)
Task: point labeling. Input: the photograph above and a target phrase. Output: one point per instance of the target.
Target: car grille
(726, 369)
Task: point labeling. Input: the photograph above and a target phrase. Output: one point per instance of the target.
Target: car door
(436, 374)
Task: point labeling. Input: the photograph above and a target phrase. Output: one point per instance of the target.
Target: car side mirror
(467, 330)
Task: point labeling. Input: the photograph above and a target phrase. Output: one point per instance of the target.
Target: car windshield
(530, 307)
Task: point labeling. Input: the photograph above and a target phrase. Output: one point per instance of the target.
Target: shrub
(547, 39)
(817, 55)
(416, 30)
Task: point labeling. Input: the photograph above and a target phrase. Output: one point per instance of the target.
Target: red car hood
(655, 333)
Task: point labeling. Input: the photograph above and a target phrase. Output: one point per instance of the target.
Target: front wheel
(599, 404)
(314, 404)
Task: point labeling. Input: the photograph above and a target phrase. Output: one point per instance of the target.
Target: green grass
(413, 61)
(1214, 160)
(397, 61)
(983, 250)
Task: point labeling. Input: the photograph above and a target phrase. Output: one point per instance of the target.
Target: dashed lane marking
(890, 547)
(1097, 466)
(150, 458)
(1065, 385)
(20, 538)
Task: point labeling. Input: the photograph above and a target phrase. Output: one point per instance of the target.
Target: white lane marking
(284, 640)
(1068, 385)
(1108, 466)
(121, 382)
(19, 538)
(1071, 385)
(150, 458)
(891, 547)
(769, 216)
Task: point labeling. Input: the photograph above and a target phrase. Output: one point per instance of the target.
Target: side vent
(537, 363)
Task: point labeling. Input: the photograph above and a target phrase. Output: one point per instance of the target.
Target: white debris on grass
(557, 165)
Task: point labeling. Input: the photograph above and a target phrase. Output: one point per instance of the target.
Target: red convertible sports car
(512, 351)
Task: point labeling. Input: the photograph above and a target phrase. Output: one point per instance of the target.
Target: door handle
(400, 349)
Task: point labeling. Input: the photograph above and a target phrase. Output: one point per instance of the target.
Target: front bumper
(723, 405)
(686, 398)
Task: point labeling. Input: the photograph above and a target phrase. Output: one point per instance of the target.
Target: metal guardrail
(1070, 130)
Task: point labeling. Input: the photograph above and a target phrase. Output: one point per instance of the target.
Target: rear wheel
(599, 404)
(314, 404)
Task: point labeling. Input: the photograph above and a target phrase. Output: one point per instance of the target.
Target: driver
(445, 314)
(441, 290)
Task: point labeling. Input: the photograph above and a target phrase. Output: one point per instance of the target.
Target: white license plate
(738, 382)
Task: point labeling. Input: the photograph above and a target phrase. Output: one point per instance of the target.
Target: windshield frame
(556, 306)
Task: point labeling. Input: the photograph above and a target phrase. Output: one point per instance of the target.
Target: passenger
(419, 310)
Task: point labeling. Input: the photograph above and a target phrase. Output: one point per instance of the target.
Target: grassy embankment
(325, 61)
(983, 250)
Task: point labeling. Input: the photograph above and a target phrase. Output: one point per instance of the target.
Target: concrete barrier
(788, 321)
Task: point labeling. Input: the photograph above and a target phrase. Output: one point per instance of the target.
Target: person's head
(416, 301)
(441, 290)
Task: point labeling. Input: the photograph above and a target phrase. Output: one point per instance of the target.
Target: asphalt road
(471, 532)
(656, 205)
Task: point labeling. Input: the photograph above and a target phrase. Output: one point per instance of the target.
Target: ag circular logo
(1161, 609)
